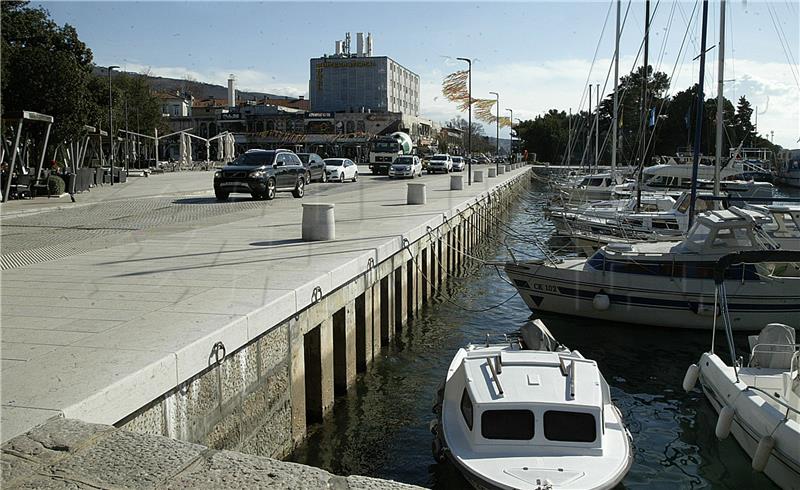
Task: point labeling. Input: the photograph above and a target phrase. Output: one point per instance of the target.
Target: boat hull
(640, 299)
(751, 421)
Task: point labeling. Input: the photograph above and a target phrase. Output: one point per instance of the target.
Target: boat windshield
(698, 235)
(739, 237)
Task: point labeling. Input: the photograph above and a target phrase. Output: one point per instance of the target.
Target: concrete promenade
(99, 335)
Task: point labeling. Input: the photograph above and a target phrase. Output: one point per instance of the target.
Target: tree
(742, 121)
(46, 69)
(479, 143)
(547, 135)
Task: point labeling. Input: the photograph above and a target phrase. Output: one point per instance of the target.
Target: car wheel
(308, 178)
(324, 176)
(269, 194)
(221, 195)
(355, 177)
(299, 189)
(341, 179)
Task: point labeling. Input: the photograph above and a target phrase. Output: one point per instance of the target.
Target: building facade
(347, 83)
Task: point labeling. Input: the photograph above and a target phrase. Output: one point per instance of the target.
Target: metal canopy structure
(20, 118)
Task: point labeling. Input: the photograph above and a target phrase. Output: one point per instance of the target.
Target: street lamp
(469, 121)
(497, 140)
(510, 134)
(111, 123)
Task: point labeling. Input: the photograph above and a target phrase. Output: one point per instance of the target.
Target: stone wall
(70, 454)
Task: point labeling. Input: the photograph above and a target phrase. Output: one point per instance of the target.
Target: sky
(538, 55)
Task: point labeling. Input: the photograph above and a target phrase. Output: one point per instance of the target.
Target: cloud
(247, 79)
(533, 88)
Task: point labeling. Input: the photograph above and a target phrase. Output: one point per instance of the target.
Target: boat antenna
(615, 122)
(698, 129)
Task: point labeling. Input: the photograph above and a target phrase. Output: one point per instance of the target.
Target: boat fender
(601, 302)
(724, 422)
(690, 379)
(437, 450)
(763, 451)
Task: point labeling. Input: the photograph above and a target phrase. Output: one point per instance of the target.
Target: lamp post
(111, 124)
(497, 139)
(469, 121)
(510, 134)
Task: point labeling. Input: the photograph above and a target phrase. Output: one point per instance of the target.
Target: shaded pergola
(19, 119)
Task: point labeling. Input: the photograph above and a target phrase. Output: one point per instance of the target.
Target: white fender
(763, 451)
(601, 302)
(724, 422)
(690, 378)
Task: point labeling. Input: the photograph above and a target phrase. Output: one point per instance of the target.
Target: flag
(651, 118)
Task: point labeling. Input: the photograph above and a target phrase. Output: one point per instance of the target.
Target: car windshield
(404, 161)
(255, 158)
(387, 146)
(439, 157)
(334, 162)
(303, 157)
(457, 159)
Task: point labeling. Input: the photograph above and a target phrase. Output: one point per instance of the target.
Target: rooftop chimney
(338, 48)
(360, 43)
(369, 44)
(232, 90)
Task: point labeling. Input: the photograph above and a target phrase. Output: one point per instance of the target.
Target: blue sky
(538, 55)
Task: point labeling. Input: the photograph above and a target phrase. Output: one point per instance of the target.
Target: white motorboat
(788, 168)
(757, 402)
(667, 284)
(595, 187)
(530, 414)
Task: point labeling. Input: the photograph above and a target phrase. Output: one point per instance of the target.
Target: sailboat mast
(597, 128)
(698, 124)
(644, 104)
(615, 119)
(569, 138)
(720, 97)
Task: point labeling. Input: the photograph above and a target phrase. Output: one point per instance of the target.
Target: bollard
(492, 172)
(501, 170)
(456, 182)
(416, 194)
(508, 168)
(318, 222)
(478, 176)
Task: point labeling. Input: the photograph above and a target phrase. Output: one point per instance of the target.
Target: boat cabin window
(787, 227)
(569, 426)
(507, 424)
(733, 237)
(466, 408)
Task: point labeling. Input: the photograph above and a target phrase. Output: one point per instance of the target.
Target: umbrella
(183, 156)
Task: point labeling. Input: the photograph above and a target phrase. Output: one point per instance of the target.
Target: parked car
(315, 167)
(406, 166)
(441, 162)
(458, 164)
(261, 173)
(341, 169)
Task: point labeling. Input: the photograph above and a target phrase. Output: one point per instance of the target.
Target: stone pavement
(70, 454)
(98, 335)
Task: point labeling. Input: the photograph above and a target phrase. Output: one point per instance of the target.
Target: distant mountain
(200, 90)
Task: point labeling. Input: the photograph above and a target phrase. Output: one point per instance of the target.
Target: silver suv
(441, 162)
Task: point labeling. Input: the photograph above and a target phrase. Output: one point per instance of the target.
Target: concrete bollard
(416, 194)
(456, 182)
(501, 170)
(492, 172)
(318, 222)
(478, 176)
(508, 168)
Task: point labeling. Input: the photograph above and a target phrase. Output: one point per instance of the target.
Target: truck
(386, 149)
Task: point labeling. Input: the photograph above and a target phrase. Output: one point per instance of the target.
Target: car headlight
(218, 174)
(255, 174)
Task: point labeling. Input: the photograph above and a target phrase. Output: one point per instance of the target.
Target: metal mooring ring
(215, 350)
(316, 295)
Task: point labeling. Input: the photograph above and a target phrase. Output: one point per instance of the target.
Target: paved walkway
(97, 335)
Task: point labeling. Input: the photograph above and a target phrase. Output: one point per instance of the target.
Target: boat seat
(773, 347)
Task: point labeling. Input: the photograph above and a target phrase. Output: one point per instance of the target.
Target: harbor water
(380, 428)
